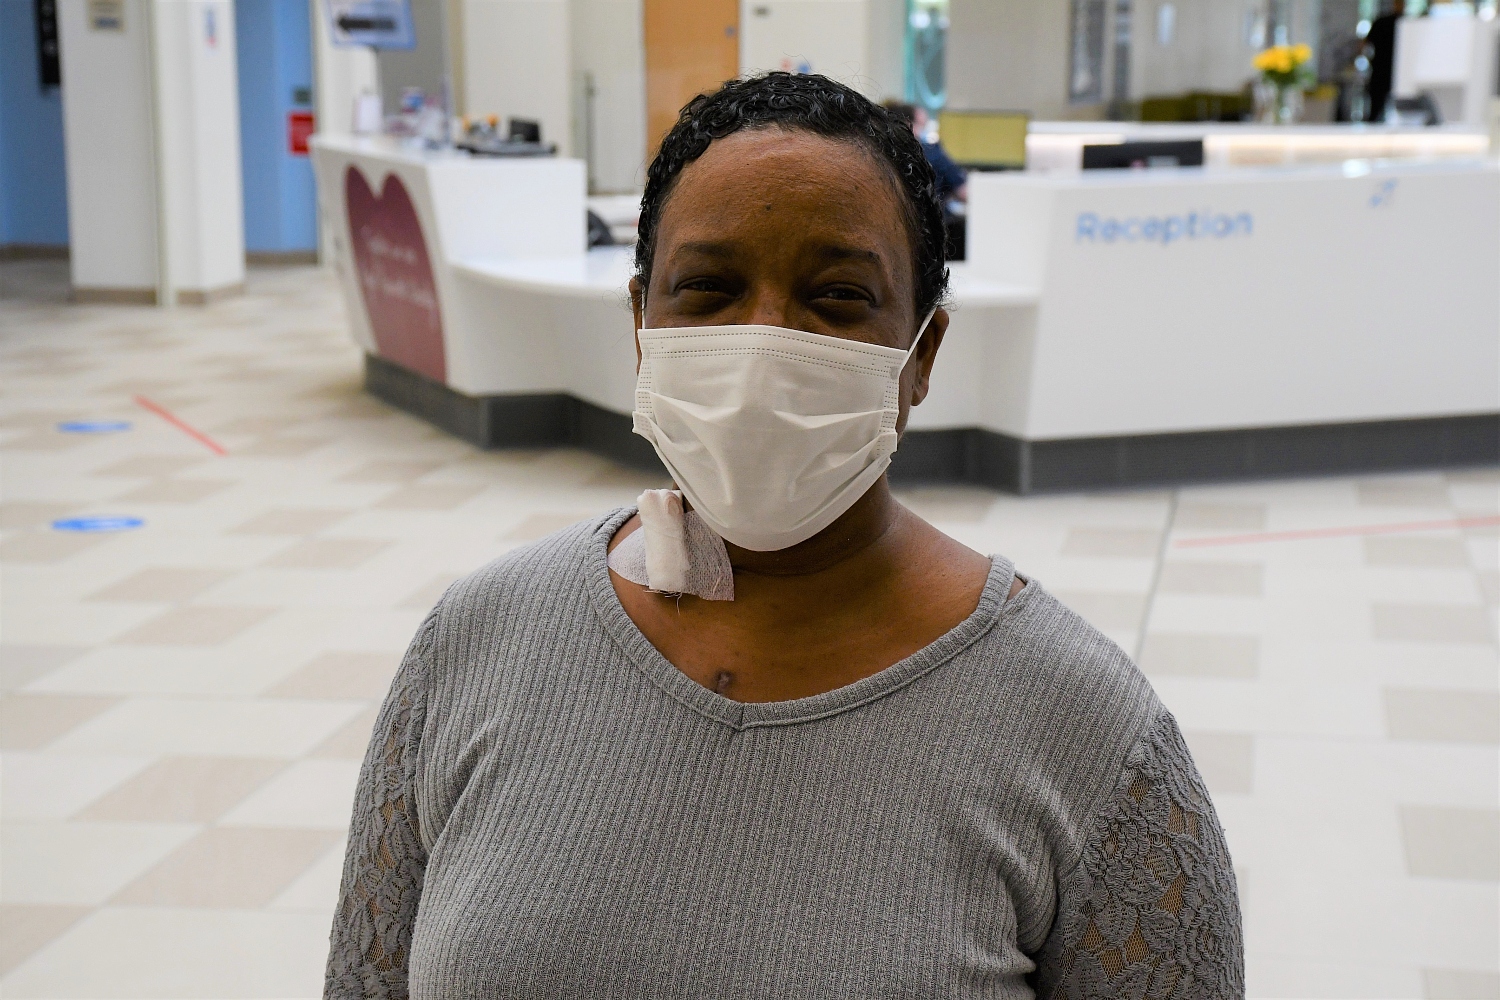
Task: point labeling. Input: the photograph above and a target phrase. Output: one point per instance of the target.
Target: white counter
(1096, 311)
(1193, 299)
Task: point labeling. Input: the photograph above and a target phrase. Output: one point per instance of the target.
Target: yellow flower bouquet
(1286, 66)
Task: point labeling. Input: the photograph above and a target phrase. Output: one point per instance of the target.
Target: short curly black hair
(811, 103)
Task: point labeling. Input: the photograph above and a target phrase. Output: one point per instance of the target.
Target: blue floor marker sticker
(92, 524)
(93, 426)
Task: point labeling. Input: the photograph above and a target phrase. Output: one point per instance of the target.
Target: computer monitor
(524, 130)
(1174, 153)
(985, 140)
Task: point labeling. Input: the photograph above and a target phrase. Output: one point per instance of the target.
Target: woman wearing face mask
(773, 735)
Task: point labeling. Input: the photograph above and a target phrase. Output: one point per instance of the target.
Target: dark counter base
(985, 457)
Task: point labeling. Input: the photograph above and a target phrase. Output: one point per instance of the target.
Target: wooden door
(692, 46)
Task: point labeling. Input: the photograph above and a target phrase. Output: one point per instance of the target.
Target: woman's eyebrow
(839, 253)
(722, 251)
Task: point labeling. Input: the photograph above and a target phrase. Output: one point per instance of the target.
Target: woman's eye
(701, 285)
(845, 293)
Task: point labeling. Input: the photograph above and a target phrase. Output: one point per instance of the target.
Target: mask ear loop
(911, 351)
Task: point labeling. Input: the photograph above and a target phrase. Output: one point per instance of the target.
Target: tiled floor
(186, 703)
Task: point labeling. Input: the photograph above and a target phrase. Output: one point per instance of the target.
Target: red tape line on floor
(182, 425)
(1353, 530)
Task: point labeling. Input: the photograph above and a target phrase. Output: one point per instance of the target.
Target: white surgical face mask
(771, 434)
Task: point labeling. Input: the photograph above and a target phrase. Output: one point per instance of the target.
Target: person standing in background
(1382, 43)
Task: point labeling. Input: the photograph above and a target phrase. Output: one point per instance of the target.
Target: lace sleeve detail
(1151, 911)
(385, 862)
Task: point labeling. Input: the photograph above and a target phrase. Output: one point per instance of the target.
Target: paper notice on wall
(380, 24)
(107, 15)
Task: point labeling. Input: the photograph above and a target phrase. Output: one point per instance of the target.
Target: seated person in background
(950, 176)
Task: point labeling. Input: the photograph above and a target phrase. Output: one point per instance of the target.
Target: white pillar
(151, 121)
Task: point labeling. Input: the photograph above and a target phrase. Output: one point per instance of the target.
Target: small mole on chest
(723, 681)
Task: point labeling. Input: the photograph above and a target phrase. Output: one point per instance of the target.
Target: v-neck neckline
(749, 715)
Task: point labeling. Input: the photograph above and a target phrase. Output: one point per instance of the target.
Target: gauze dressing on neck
(674, 552)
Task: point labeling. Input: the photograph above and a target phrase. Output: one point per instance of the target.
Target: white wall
(609, 47)
(857, 42)
(339, 76)
(1211, 48)
(1010, 55)
(128, 141)
(199, 122)
(110, 150)
(517, 59)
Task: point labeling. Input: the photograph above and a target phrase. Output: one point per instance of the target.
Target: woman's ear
(927, 354)
(638, 310)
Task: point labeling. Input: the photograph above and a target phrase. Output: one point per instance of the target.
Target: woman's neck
(862, 526)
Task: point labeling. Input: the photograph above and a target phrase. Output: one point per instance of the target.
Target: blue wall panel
(274, 39)
(33, 174)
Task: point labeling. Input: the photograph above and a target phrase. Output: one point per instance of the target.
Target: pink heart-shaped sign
(395, 275)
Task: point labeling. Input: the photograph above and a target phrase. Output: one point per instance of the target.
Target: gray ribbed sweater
(550, 809)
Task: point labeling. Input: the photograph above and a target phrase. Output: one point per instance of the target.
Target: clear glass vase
(1288, 105)
(1277, 105)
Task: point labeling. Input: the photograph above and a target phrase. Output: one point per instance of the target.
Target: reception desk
(1113, 328)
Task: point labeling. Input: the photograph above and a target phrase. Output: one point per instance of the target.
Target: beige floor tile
(26, 929)
(1201, 515)
(341, 675)
(228, 868)
(949, 504)
(1432, 623)
(161, 584)
(442, 496)
(79, 864)
(309, 793)
(260, 424)
(45, 440)
(1460, 984)
(427, 595)
(1442, 716)
(352, 739)
(1188, 654)
(1105, 611)
(148, 466)
(317, 889)
(48, 546)
(184, 790)
(218, 671)
(1399, 494)
(176, 491)
(207, 726)
(1112, 543)
(328, 553)
(195, 626)
(171, 952)
(22, 664)
(389, 471)
(29, 514)
(53, 786)
(1444, 842)
(535, 526)
(280, 447)
(1226, 760)
(291, 521)
(29, 721)
(1230, 579)
(1396, 550)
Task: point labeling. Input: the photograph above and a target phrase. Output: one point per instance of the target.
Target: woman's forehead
(786, 181)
